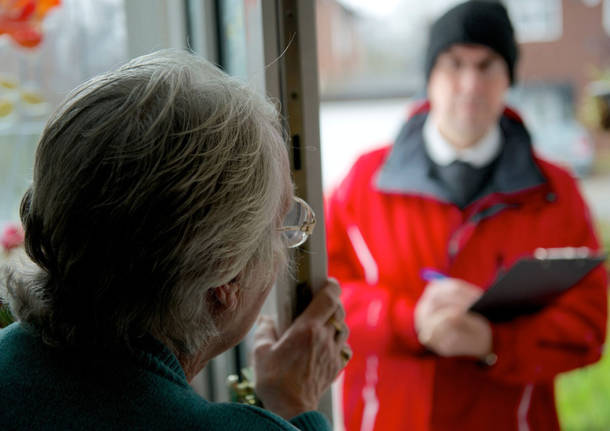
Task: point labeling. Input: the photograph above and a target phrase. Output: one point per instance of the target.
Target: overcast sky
(385, 8)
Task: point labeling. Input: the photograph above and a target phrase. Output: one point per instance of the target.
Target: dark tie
(462, 180)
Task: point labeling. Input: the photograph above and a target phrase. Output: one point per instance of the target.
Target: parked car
(548, 112)
(567, 143)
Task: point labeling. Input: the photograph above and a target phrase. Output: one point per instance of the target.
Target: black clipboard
(532, 283)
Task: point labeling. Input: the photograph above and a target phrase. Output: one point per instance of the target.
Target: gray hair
(152, 185)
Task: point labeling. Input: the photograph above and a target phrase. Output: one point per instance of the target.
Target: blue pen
(430, 274)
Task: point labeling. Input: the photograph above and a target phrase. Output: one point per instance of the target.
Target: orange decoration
(22, 19)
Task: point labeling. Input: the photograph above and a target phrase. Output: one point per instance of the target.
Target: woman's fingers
(294, 371)
(265, 333)
(324, 304)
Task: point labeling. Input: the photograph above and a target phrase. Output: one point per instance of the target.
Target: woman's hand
(294, 370)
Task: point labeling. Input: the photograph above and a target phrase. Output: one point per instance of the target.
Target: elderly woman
(158, 219)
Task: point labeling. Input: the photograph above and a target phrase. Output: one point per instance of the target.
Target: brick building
(572, 41)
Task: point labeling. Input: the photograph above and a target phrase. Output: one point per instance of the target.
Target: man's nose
(471, 79)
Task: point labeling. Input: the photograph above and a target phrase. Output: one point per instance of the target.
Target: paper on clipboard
(531, 283)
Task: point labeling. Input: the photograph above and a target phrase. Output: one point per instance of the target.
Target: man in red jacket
(459, 192)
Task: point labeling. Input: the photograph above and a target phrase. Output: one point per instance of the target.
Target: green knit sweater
(44, 388)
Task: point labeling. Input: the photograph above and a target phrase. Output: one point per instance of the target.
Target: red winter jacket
(389, 219)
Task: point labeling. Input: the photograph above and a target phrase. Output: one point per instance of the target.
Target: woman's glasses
(298, 223)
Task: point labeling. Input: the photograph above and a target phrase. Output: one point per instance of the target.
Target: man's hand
(457, 333)
(445, 326)
(294, 370)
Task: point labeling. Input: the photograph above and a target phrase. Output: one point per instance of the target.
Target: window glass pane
(77, 39)
(234, 57)
(241, 46)
(606, 15)
(536, 20)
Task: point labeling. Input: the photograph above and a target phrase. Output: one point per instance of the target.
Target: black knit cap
(477, 22)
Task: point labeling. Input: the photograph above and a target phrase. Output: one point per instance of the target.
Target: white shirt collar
(443, 153)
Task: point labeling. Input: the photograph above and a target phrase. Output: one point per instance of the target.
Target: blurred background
(371, 67)
(370, 64)
(371, 61)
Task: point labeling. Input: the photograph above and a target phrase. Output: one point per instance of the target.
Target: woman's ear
(226, 295)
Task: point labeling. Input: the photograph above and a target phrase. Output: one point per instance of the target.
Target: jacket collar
(408, 169)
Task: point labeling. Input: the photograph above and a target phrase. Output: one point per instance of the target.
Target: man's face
(466, 89)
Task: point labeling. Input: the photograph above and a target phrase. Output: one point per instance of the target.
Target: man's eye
(491, 67)
(486, 65)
